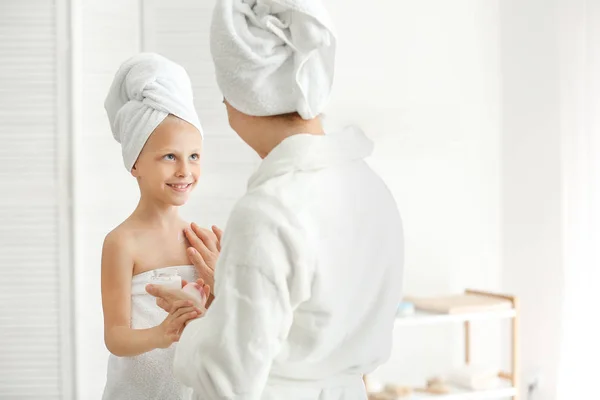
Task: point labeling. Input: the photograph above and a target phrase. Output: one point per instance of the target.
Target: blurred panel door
(35, 250)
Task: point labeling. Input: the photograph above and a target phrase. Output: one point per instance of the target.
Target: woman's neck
(269, 132)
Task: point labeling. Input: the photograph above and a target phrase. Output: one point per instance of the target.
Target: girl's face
(168, 167)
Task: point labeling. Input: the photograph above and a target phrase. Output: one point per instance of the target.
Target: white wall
(107, 32)
(531, 183)
(580, 131)
(423, 80)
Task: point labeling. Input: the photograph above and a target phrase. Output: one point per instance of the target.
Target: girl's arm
(120, 339)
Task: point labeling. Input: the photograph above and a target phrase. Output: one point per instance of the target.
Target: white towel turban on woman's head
(273, 56)
(146, 89)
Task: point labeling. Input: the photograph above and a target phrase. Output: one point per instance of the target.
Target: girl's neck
(157, 215)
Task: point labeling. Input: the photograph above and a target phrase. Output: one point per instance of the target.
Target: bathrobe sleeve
(260, 277)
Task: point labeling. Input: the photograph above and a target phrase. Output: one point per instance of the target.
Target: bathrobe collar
(305, 152)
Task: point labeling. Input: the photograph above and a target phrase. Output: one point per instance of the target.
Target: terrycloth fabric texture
(274, 56)
(146, 89)
(148, 376)
(307, 283)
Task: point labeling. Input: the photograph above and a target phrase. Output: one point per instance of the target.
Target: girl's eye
(169, 157)
(195, 157)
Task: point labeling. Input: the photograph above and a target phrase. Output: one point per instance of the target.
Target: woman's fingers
(207, 237)
(219, 234)
(163, 304)
(198, 261)
(196, 241)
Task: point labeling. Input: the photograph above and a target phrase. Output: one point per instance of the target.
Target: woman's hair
(290, 117)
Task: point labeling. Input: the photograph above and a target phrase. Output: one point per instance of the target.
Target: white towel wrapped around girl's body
(148, 376)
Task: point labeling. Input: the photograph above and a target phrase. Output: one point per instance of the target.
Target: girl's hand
(169, 331)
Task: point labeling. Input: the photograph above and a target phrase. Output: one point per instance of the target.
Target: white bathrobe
(307, 283)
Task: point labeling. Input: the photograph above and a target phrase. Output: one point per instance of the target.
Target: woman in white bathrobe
(310, 267)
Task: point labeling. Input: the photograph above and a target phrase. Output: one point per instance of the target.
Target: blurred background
(486, 120)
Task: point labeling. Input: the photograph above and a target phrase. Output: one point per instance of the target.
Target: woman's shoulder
(257, 206)
(262, 212)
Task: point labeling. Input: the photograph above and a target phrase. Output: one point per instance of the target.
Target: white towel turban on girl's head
(146, 89)
(273, 56)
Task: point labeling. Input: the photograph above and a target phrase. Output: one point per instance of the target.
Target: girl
(151, 111)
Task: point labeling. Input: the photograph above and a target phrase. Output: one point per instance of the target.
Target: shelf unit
(510, 379)
(461, 394)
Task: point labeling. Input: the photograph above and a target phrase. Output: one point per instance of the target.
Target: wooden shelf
(426, 318)
(460, 394)
(448, 310)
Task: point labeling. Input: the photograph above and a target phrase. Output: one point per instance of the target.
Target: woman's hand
(204, 250)
(196, 292)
